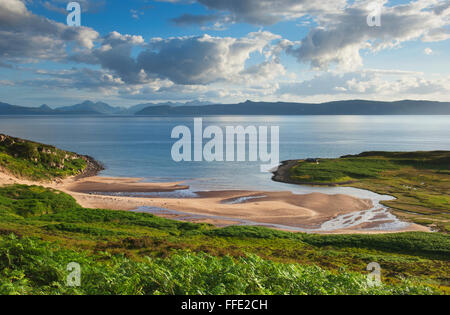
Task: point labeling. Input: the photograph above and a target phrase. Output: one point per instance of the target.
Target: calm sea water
(141, 146)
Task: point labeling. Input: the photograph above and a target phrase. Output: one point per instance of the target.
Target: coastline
(281, 175)
(300, 213)
(414, 190)
(93, 167)
(279, 210)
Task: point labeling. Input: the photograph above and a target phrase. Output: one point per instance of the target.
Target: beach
(280, 210)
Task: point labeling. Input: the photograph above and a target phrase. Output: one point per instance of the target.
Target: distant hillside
(353, 107)
(89, 107)
(86, 108)
(8, 109)
(137, 108)
(37, 161)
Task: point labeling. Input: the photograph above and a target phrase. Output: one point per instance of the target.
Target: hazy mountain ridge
(197, 108)
(352, 107)
(91, 107)
(85, 108)
(8, 109)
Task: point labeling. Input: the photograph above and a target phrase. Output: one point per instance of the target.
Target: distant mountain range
(354, 107)
(197, 108)
(87, 108)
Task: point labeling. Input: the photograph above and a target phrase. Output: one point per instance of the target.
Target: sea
(142, 146)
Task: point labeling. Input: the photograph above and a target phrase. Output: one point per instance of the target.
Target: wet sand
(111, 184)
(221, 208)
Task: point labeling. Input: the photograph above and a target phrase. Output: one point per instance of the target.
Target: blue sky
(130, 52)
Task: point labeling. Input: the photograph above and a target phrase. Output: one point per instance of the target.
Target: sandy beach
(281, 210)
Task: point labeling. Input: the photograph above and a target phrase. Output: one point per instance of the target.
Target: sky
(223, 51)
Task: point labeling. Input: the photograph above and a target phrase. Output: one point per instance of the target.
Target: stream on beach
(141, 147)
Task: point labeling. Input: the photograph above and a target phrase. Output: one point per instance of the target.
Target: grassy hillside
(38, 161)
(419, 180)
(42, 230)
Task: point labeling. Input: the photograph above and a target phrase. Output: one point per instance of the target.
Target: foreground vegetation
(419, 180)
(36, 161)
(42, 230)
(34, 267)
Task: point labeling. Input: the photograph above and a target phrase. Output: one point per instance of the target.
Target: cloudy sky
(129, 52)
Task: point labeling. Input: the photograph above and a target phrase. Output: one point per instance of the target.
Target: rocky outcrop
(92, 169)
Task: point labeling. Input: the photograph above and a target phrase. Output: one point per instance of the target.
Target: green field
(42, 230)
(36, 161)
(419, 180)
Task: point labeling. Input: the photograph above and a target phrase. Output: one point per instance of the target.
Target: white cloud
(339, 38)
(92, 6)
(342, 31)
(7, 82)
(203, 59)
(263, 12)
(115, 54)
(198, 60)
(370, 83)
(26, 35)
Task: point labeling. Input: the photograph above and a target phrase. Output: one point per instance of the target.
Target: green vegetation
(42, 230)
(419, 180)
(35, 267)
(37, 161)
